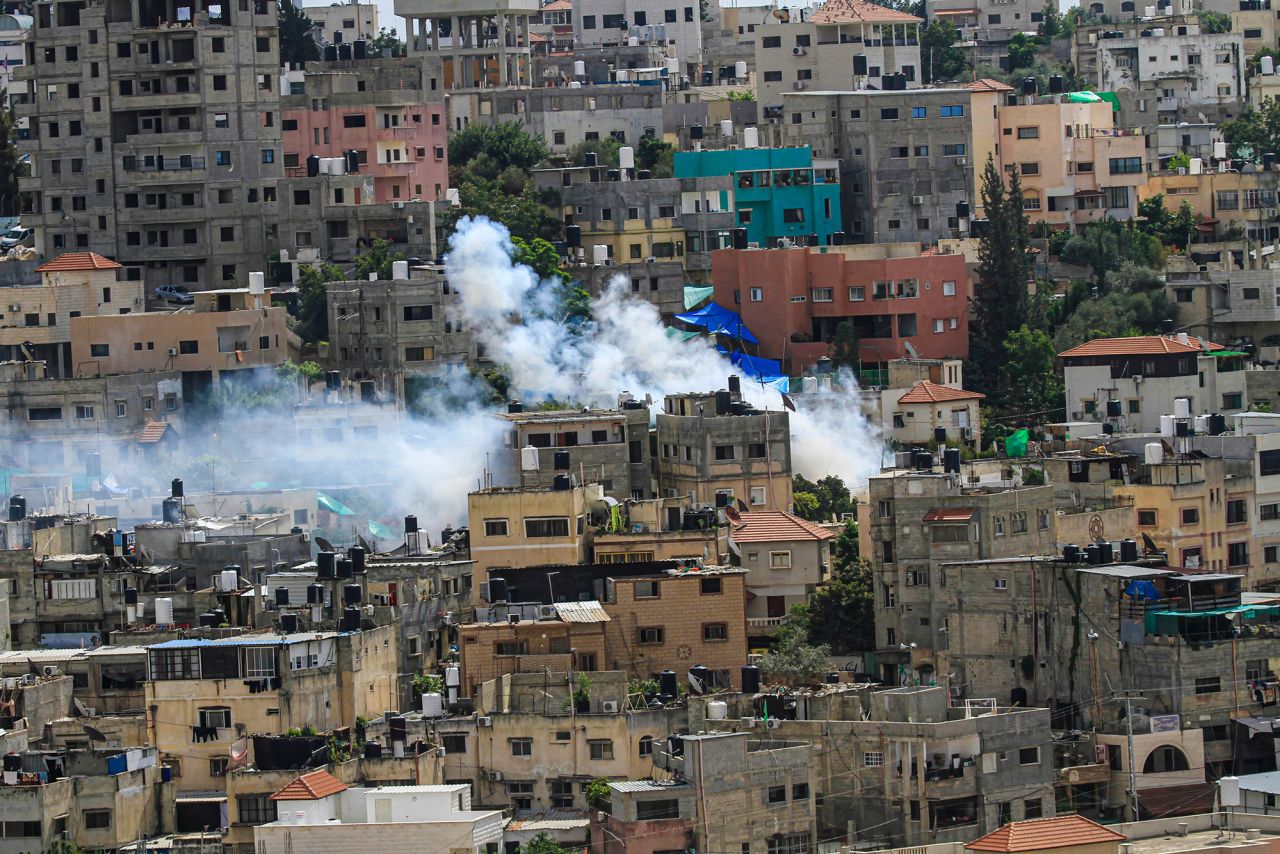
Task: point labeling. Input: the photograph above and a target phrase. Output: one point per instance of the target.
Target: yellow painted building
(1226, 200)
(203, 695)
(529, 527)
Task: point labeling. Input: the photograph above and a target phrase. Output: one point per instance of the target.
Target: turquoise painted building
(777, 192)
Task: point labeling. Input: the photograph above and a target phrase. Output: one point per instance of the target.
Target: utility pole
(1128, 699)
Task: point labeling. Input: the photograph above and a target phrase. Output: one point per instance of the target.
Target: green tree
(941, 58)
(1022, 51)
(12, 166)
(313, 301)
(542, 844)
(656, 156)
(1254, 133)
(386, 39)
(296, 42)
(1029, 355)
(1106, 246)
(378, 260)
(1115, 315)
(520, 212)
(1171, 229)
(507, 143)
(1052, 23)
(741, 95)
(1004, 270)
(794, 661)
(1214, 23)
(577, 305)
(844, 350)
(832, 494)
(841, 613)
(539, 256)
(606, 151)
(805, 505)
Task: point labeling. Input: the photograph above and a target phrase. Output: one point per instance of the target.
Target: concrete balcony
(766, 624)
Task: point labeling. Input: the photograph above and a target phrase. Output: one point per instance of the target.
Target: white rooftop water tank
(1229, 791)
(1268, 65)
(1153, 453)
(528, 458)
(228, 580)
(599, 254)
(1220, 149)
(751, 138)
(164, 612)
(626, 157)
(579, 68)
(451, 677)
(717, 710)
(1167, 428)
(432, 706)
(740, 69)
(257, 283)
(726, 127)
(1181, 407)
(400, 270)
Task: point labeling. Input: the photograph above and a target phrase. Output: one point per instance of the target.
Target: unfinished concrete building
(154, 135)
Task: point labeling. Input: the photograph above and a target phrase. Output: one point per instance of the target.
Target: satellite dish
(911, 350)
(325, 545)
(733, 515)
(93, 733)
(145, 554)
(1148, 545)
(364, 544)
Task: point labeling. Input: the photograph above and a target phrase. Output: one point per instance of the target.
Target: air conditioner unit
(484, 720)
(774, 723)
(547, 612)
(493, 776)
(609, 707)
(398, 205)
(748, 723)
(917, 200)
(50, 670)
(800, 85)
(15, 308)
(173, 351)
(651, 260)
(797, 51)
(1137, 378)
(960, 161)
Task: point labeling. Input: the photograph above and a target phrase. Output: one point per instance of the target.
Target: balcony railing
(182, 165)
(765, 622)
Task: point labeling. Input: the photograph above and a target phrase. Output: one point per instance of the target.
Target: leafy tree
(805, 505)
(911, 7)
(296, 42)
(656, 156)
(378, 260)
(1004, 269)
(386, 39)
(942, 59)
(1214, 23)
(1104, 247)
(577, 305)
(1054, 23)
(843, 350)
(841, 613)
(1254, 133)
(832, 494)
(519, 212)
(507, 143)
(539, 256)
(1022, 51)
(741, 95)
(606, 151)
(313, 301)
(1171, 229)
(1115, 315)
(598, 791)
(11, 165)
(794, 661)
(1029, 355)
(542, 844)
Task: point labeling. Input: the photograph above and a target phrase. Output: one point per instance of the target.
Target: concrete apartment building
(204, 694)
(328, 815)
(989, 27)
(1164, 71)
(786, 558)
(922, 396)
(723, 791)
(893, 294)
(88, 425)
(907, 764)
(554, 23)
(154, 136)
(566, 115)
(561, 637)
(905, 167)
(1229, 202)
(615, 22)
(1093, 171)
(536, 747)
(605, 446)
(36, 322)
(223, 336)
(780, 195)
(715, 449)
(843, 45)
(13, 54)
(920, 521)
(513, 527)
(403, 334)
(341, 23)
(104, 799)
(390, 112)
(1148, 375)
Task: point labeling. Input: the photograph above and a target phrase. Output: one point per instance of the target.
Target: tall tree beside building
(1004, 269)
(11, 165)
(296, 43)
(941, 59)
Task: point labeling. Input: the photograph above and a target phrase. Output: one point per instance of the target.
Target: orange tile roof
(860, 12)
(775, 527)
(153, 432)
(311, 787)
(1039, 834)
(1140, 345)
(557, 6)
(949, 514)
(71, 261)
(986, 84)
(927, 392)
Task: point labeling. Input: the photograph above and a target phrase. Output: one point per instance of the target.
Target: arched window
(646, 745)
(1165, 758)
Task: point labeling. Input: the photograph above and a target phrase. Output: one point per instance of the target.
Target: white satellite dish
(911, 350)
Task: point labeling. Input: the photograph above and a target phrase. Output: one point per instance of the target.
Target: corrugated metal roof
(1268, 782)
(646, 786)
(1125, 571)
(581, 612)
(247, 640)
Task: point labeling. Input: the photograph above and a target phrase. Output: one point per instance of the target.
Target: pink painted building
(794, 299)
(381, 110)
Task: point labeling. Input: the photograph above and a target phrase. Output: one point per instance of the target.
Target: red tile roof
(860, 12)
(311, 787)
(1140, 345)
(72, 261)
(776, 527)
(986, 84)
(153, 432)
(927, 392)
(1042, 833)
(949, 514)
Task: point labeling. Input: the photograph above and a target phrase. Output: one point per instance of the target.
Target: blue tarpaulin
(719, 321)
(1140, 589)
(760, 370)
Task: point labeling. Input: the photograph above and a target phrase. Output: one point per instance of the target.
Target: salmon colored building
(793, 300)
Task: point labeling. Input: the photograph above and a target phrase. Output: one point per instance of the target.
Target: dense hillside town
(627, 427)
